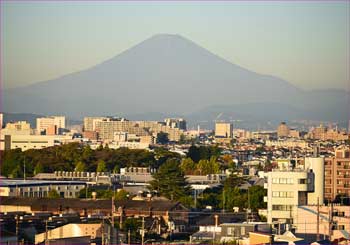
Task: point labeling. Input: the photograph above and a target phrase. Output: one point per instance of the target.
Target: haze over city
(305, 43)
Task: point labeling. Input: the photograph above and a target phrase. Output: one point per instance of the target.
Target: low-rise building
(39, 188)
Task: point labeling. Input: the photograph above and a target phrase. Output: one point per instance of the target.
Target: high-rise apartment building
(282, 130)
(90, 122)
(179, 123)
(223, 130)
(337, 174)
(46, 124)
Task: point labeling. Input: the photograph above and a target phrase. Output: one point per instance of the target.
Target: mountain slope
(165, 73)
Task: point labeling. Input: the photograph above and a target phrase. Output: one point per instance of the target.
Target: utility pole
(112, 218)
(103, 232)
(17, 226)
(330, 231)
(318, 219)
(129, 237)
(46, 234)
(143, 231)
(24, 169)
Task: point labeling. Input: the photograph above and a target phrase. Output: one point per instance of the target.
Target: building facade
(223, 130)
(48, 125)
(337, 174)
(38, 188)
(282, 130)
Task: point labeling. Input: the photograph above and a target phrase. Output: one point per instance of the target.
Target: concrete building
(93, 230)
(223, 130)
(90, 122)
(325, 133)
(46, 125)
(26, 142)
(282, 130)
(288, 143)
(316, 164)
(107, 129)
(39, 188)
(337, 174)
(179, 123)
(16, 128)
(286, 190)
(334, 222)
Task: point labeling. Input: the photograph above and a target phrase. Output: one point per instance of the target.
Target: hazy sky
(306, 43)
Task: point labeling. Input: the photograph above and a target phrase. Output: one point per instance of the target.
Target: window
(290, 181)
(230, 230)
(242, 230)
(283, 181)
(302, 181)
(275, 194)
(282, 207)
(275, 181)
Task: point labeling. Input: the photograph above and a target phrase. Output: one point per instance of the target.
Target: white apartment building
(39, 188)
(286, 190)
(44, 123)
(291, 186)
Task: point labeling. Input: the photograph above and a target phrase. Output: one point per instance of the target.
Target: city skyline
(307, 46)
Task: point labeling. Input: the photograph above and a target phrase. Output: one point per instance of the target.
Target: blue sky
(306, 43)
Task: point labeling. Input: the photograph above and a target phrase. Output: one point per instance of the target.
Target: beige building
(26, 142)
(16, 128)
(90, 122)
(282, 130)
(45, 124)
(324, 133)
(71, 230)
(223, 130)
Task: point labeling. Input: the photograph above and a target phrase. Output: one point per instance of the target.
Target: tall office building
(223, 130)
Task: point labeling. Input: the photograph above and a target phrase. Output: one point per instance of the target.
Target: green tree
(188, 166)
(208, 166)
(38, 169)
(162, 138)
(256, 197)
(101, 166)
(80, 167)
(170, 181)
(53, 194)
(121, 195)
